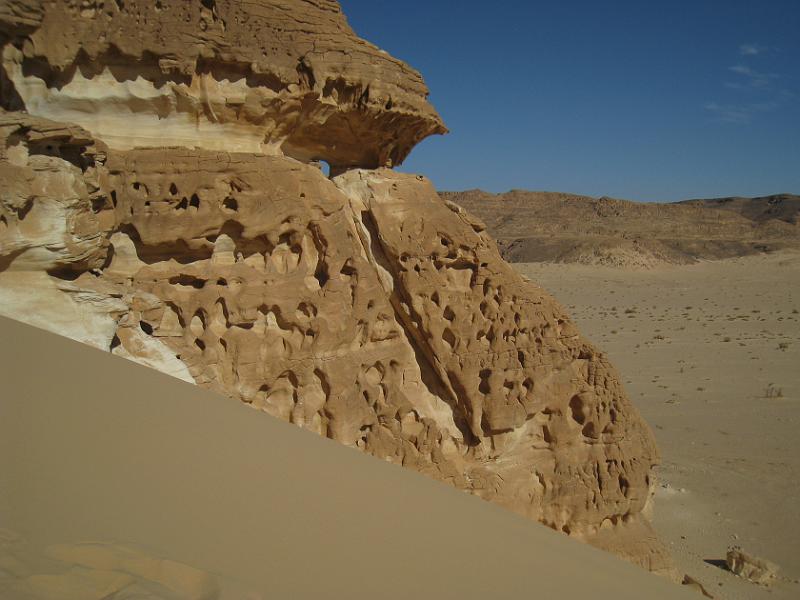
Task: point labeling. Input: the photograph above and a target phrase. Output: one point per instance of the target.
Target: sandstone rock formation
(160, 201)
(273, 77)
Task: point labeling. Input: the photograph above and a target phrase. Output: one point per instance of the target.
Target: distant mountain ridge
(558, 227)
(783, 207)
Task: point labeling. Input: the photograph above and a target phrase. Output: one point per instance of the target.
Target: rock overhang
(265, 77)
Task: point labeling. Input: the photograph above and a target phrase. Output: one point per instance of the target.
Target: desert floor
(710, 354)
(185, 495)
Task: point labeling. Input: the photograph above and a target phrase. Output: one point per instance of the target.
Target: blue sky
(646, 100)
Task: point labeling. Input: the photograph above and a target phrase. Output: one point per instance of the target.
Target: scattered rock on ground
(751, 567)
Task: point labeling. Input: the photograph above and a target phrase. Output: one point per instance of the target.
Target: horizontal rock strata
(275, 76)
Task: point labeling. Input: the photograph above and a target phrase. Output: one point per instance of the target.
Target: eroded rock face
(363, 308)
(54, 222)
(267, 77)
(524, 388)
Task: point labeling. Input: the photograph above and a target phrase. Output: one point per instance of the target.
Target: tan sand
(201, 491)
(700, 349)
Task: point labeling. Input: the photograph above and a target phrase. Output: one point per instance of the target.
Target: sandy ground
(190, 496)
(710, 353)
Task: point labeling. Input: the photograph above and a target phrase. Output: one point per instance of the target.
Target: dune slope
(105, 450)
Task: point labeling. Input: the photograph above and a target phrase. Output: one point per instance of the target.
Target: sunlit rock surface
(160, 200)
(267, 77)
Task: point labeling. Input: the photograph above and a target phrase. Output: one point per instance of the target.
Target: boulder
(754, 569)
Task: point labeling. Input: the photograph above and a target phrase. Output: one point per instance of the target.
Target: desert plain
(710, 354)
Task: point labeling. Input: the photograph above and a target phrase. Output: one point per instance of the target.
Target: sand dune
(96, 448)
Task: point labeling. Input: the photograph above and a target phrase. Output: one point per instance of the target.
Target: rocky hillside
(554, 227)
(780, 207)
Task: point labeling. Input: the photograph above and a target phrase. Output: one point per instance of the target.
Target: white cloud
(754, 92)
(741, 113)
(751, 49)
(729, 113)
(755, 78)
(742, 70)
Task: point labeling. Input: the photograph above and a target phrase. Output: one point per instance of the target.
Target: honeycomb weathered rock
(362, 307)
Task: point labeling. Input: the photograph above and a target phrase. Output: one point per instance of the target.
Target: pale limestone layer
(135, 113)
(62, 307)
